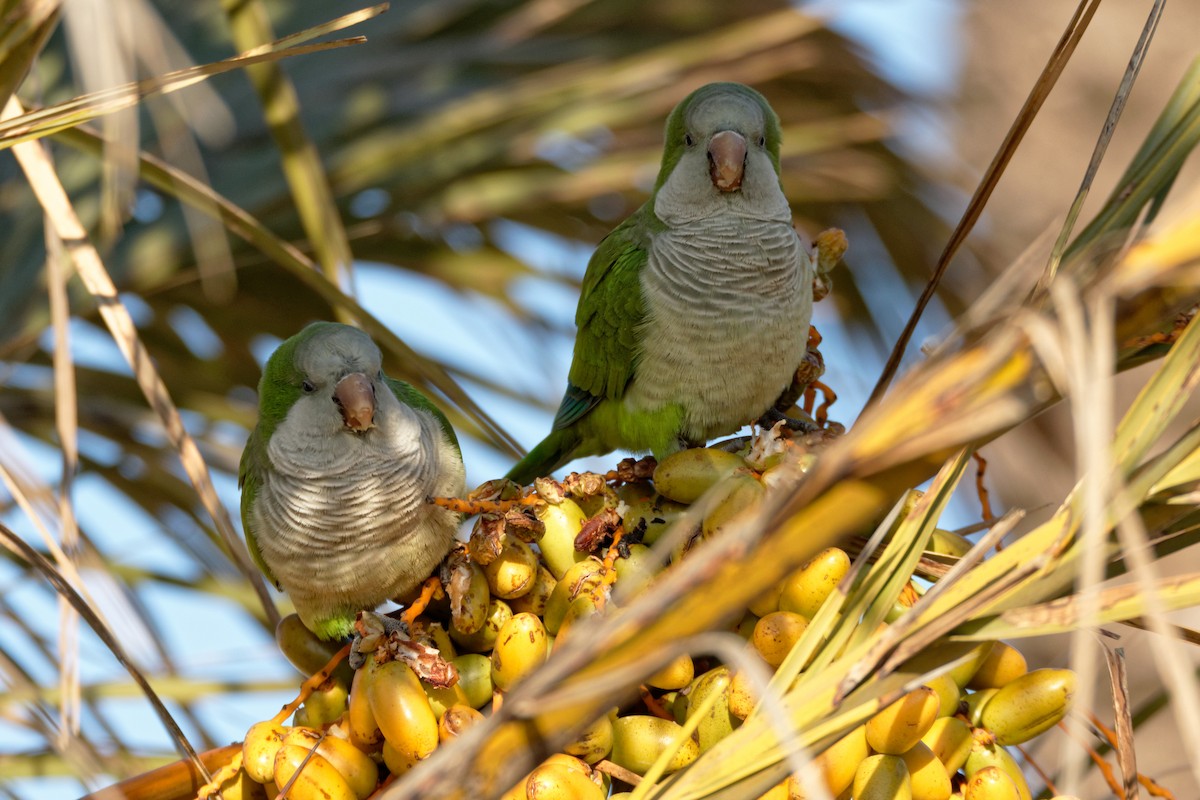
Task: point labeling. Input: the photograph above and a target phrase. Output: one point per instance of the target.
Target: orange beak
(355, 398)
(727, 160)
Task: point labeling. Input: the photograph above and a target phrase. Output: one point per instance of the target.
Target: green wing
(250, 471)
(608, 319)
(411, 397)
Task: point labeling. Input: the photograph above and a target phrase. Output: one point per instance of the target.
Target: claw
(370, 631)
(774, 415)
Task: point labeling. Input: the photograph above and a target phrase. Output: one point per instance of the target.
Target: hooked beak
(727, 160)
(355, 398)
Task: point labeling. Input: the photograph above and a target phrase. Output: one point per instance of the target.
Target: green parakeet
(335, 478)
(694, 311)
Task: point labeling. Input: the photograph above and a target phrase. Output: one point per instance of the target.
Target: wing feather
(609, 317)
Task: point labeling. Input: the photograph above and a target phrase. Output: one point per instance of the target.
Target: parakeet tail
(555, 450)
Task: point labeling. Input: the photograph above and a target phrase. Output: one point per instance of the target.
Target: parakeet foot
(389, 638)
(368, 631)
(802, 425)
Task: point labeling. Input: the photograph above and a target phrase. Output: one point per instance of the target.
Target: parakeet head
(325, 377)
(721, 154)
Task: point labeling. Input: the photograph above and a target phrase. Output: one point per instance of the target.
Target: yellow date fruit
(739, 492)
(470, 598)
(976, 701)
(767, 602)
(401, 709)
(397, 762)
(743, 694)
(745, 626)
(675, 675)
(513, 571)
(327, 703)
(555, 780)
(685, 475)
(990, 783)
(534, 601)
(962, 672)
(594, 743)
(520, 648)
(636, 569)
(259, 748)
(648, 510)
(317, 780)
(590, 603)
(949, 543)
(882, 777)
(557, 544)
(305, 651)
(484, 639)
(437, 637)
(241, 786)
(360, 720)
(780, 791)
(1002, 665)
(717, 722)
(355, 766)
(986, 753)
(776, 634)
(950, 740)
(443, 697)
(475, 678)
(948, 694)
(898, 727)
(577, 580)
(839, 763)
(805, 590)
(929, 778)
(639, 740)
(456, 720)
(1029, 705)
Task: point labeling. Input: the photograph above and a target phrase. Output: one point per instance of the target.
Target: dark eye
(762, 141)
(688, 140)
(308, 386)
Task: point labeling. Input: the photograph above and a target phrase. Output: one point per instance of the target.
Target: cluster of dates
(948, 738)
(535, 569)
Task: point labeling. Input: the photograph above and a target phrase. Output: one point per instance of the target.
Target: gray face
(726, 112)
(324, 360)
(689, 194)
(335, 352)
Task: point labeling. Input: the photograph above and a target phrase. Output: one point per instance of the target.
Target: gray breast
(728, 307)
(344, 504)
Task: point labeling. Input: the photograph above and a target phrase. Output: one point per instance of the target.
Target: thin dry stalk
(1110, 126)
(54, 200)
(1118, 677)
(66, 421)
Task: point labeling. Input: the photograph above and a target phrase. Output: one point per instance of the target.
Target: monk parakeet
(336, 475)
(694, 311)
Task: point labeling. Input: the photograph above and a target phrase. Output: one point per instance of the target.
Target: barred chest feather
(728, 306)
(342, 519)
